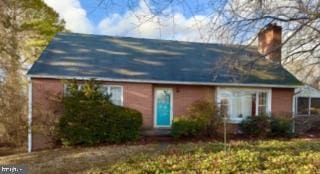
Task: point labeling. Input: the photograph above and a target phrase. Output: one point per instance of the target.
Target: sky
(134, 18)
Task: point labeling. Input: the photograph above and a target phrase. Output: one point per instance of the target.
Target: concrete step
(157, 132)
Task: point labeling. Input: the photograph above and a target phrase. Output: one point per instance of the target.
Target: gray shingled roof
(123, 58)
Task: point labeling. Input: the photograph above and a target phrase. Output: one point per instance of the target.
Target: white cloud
(140, 22)
(73, 14)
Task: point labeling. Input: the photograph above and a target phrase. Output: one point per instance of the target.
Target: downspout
(293, 114)
(29, 115)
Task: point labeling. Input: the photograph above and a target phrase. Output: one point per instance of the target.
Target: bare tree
(300, 21)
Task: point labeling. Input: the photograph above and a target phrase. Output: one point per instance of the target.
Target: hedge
(90, 118)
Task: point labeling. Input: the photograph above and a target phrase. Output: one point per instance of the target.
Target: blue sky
(96, 11)
(187, 20)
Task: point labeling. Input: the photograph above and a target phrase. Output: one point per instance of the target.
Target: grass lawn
(272, 156)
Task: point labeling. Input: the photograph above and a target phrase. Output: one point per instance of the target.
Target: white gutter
(165, 82)
(29, 114)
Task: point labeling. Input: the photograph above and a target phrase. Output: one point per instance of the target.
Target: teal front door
(163, 107)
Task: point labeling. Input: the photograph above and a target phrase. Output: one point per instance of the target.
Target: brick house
(163, 78)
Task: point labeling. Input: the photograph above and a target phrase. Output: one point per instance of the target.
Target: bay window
(239, 103)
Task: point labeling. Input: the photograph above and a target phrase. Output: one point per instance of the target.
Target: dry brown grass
(8, 150)
(73, 160)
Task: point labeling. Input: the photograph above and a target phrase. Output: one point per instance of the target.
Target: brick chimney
(269, 42)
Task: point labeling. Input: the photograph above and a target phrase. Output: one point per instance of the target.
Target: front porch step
(157, 132)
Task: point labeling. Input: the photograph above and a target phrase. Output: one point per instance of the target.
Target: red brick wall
(269, 42)
(137, 96)
(282, 99)
(45, 110)
(140, 97)
(45, 94)
(44, 89)
(184, 96)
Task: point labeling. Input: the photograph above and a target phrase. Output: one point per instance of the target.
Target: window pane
(315, 106)
(262, 98)
(104, 90)
(116, 95)
(253, 104)
(241, 105)
(80, 87)
(303, 105)
(262, 108)
(224, 106)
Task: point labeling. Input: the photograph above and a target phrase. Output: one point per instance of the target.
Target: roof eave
(164, 82)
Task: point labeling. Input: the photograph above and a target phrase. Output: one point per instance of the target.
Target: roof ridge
(153, 39)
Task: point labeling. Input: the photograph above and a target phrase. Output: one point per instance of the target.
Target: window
(315, 106)
(115, 92)
(66, 91)
(241, 103)
(307, 106)
(262, 104)
(303, 106)
(224, 106)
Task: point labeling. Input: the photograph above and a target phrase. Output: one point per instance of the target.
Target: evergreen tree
(26, 27)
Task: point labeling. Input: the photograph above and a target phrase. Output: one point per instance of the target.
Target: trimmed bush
(90, 118)
(186, 128)
(265, 126)
(207, 113)
(202, 119)
(281, 127)
(257, 126)
(124, 125)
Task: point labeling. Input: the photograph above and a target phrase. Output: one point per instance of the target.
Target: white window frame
(116, 86)
(65, 88)
(309, 105)
(105, 86)
(220, 90)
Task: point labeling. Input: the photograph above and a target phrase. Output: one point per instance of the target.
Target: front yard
(271, 156)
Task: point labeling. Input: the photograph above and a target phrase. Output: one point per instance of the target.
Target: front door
(163, 107)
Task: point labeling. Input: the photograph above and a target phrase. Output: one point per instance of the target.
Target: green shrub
(263, 126)
(186, 128)
(257, 126)
(207, 113)
(124, 125)
(202, 118)
(90, 118)
(281, 126)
